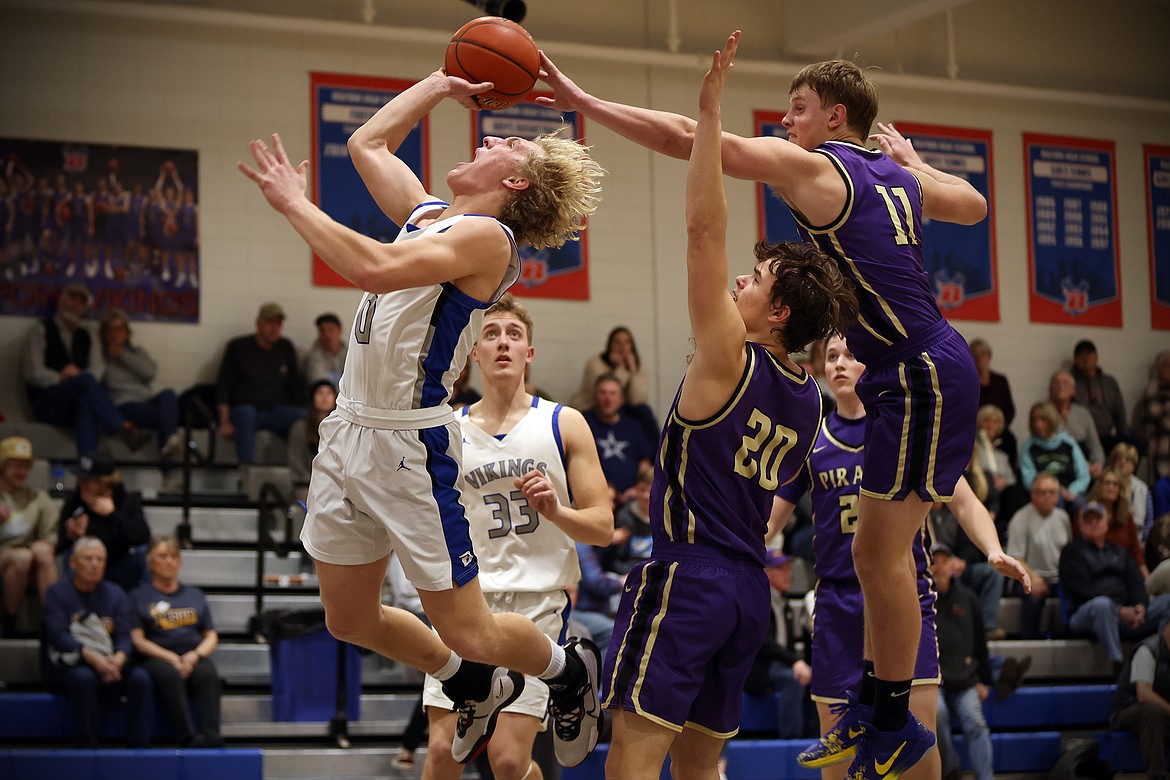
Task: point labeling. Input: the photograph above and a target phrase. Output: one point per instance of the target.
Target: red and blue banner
(562, 272)
(1158, 224)
(1074, 269)
(960, 259)
(775, 220)
(340, 105)
(122, 220)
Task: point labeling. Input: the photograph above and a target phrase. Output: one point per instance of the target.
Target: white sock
(447, 670)
(557, 664)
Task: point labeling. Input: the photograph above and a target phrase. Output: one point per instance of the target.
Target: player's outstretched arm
(716, 325)
(977, 523)
(372, 147)
(944, 196)
(473, 248)
(590, 521)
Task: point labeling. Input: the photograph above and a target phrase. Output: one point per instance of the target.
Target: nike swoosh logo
(855, 733)
(902, 693)
(883, 768)
(629, 588)
(818, 449)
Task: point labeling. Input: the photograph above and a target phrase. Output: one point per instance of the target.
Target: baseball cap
(16, 448)
(775, 558)
(270, 311)
(940, 547)
(78, 289)
(1084, 345)
(96, 467)
(1093, 508)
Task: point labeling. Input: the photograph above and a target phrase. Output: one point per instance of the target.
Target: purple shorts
(684, 640)
(838, 640)
(920, 399)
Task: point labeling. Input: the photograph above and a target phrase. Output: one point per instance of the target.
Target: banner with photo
(547, 273)
(340, 105)
(1074, 270)
(960, 259)
(123, 220)
(774, 219)
(1158, 223)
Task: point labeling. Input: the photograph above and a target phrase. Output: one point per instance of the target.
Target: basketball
(494, 49)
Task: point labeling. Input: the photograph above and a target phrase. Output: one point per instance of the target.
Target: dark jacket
(962, 642)
(264, 378)
(757, 681)
(120, 530)
(1086, 572)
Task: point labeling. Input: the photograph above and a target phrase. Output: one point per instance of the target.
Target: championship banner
(1074, 271)
(1158, 222)
(960, 259)
(122, 220)
(775, 220)
(340, 105)
(547, 273)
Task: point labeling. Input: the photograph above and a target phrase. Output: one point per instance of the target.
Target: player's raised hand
(566, 94)
(282, 184)
(461, 90)
(711, 93)
(1010, 567)
(540, 493)
(896, 146)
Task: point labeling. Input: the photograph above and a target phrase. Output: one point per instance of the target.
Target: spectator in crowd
(593, 596)
(60, 371)
(28, 530)
(1154, 415)
(175, 637)
(965, 666)
(259, 386)
(87, 634)
(814, 363)
(1051, 450)
(129, 371)
(621, 440)
(1122, 532)
(101, 507)
(1161, 491)
(1103, 588)
(1036, 536)
(621, 361)
(995, 462)
(993, 388)
(1101, 393)
(326, 358)
(1158, 557)
(992, 427)
(778, 667)
(1076, 420)
(463, 394)
(304, 436)
(1142, 702)
(1124, 460)
(630, 549)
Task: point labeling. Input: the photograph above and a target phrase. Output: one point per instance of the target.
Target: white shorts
(548, 611)
(374, 490)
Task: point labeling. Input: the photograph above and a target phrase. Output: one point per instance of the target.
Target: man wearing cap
(778, 667)
(259, 386)
(1101, 393)
(326, 358)
(60, 370)
(1104, 589)
(102, 507)
(28, 530)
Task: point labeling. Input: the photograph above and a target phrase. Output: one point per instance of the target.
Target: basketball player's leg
(924, 706)
(351, 595)
(440, 763)
(638, 747)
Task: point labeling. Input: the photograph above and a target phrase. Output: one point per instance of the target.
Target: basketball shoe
(841, 741)
(477, 717)
(885, 755)
(576, 711)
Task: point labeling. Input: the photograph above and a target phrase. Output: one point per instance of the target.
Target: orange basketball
(494, 49)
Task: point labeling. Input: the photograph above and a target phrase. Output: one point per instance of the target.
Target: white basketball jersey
(518, 550)
(407, 347)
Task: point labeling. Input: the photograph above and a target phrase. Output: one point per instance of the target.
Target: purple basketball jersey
(714, 479)
(877, 242)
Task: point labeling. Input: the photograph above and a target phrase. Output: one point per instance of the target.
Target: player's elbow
(975, 210)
